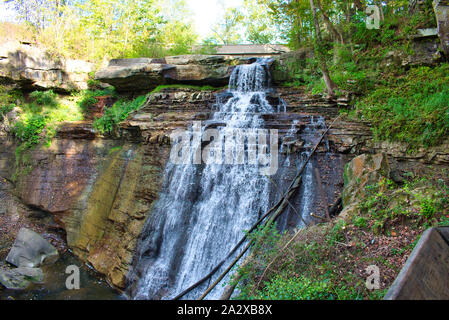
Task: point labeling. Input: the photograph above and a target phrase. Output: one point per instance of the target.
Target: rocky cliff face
(100, 190)
(31, 67)
(146, 73)
(441, 8)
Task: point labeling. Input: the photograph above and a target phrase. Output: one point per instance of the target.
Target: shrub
(118, 113)
(413, 109)
(28, 131)
(44, 98)
(285, 287)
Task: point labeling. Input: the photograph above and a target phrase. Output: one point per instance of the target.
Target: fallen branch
(319, 217)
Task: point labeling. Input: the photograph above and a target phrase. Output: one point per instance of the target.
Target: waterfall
(203, 210)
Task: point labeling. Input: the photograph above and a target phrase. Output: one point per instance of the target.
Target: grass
(413, 108)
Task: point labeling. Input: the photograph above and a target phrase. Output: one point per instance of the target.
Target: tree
(330, 85)
(227, 29)
(260, 28)
(38, 13)
(99, 30)
(337, 34)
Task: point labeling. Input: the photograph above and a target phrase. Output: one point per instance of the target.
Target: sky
(5, 13)
(207, 12)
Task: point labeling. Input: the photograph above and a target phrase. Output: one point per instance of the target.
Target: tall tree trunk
(330, 85)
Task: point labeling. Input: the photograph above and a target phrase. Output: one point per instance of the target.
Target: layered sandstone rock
(145, 73)
(31, 67)
(101, 190)
(364, 170)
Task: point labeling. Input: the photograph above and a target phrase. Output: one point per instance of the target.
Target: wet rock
(20, 278)
(31, 250)
(76, 130)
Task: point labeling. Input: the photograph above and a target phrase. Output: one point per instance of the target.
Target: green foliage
(386, 203)
(29, 129)
(336, 233)
(360, 222)
(259, 27)
(264, 240)
(86, 98)
(428, 208)
(4, 109)
(41, 116)
(286, 287)
(118, 113)
(44, 98)
(8, 100)
(308, 269)
(103, 29)
(411, 109)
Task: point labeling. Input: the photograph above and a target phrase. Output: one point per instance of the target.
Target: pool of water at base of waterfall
(92, 285)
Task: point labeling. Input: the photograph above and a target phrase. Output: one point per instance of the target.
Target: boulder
(20, 278)
(133, 74)
(426, 51)
(441, 8)
(363, 170)
(144, 74)
(31, 67)
(31, 250)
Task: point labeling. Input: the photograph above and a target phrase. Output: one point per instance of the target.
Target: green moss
(182, 86)
(115, 149)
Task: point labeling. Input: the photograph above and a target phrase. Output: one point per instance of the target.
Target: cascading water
(203, 209)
